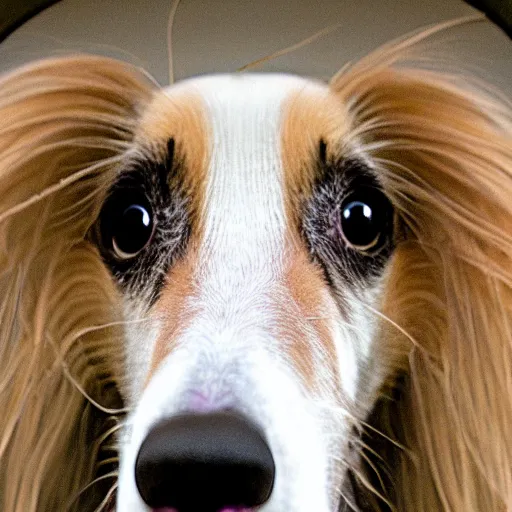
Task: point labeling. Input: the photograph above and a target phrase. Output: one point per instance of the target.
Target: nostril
(217, 462)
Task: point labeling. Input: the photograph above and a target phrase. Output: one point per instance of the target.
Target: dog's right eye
(127, 225)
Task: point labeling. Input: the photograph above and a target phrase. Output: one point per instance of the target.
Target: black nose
(205, 463)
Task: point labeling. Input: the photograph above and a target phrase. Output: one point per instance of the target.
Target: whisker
(371, 464)
(65, 367)
(108, 433)
(386, 437)
(361, 446)
(107, 498)
(341, 321)
(113, 474)
(368, 485)
(394, 324)
(349, 503)
(105, 462)
(80, 388)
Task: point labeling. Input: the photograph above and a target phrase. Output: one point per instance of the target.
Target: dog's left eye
(366, 217)
(127, 226)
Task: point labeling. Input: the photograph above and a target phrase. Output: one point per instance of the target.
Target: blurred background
(223, 35)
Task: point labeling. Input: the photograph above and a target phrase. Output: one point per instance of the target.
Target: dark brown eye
(127, 225)
(366, 219)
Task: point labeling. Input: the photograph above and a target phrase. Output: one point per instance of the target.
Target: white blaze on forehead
(245, 216)
(230, 349)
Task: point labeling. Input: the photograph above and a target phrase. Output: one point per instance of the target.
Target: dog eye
(127, 226)
(366, 216)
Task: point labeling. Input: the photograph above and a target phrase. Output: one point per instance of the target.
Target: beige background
(221, 35)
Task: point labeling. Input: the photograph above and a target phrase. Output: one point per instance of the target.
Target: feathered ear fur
(445, 152)
(444, 146)
(65, 124)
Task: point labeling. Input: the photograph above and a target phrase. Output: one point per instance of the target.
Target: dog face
(255, 262)
(250, 238)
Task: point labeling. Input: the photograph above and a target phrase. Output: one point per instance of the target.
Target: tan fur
(180, 115)
(304, 317)
(65, 119)
(444, 150)
(174, 308)
(309, 115)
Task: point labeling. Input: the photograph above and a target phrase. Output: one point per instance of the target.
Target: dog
(255, 291)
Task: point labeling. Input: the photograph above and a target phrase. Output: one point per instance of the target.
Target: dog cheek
(304, 326)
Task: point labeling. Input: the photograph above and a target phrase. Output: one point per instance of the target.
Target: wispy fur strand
(444, 147)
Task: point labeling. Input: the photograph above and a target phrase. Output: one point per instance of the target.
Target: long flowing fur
(444, 148)
(65, 125)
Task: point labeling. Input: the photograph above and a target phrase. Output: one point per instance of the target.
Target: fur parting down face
(260, 279)
(331, 262)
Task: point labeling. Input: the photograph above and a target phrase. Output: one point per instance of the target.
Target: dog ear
(64, 127)
(443, 144)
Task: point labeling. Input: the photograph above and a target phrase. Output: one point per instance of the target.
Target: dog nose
(205, 463)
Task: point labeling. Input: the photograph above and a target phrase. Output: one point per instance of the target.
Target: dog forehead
(249, 90)
(217, 105)
(247, 146)
(284, 113)
(235, 128)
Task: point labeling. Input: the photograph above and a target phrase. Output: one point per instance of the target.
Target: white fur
(231, 352)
